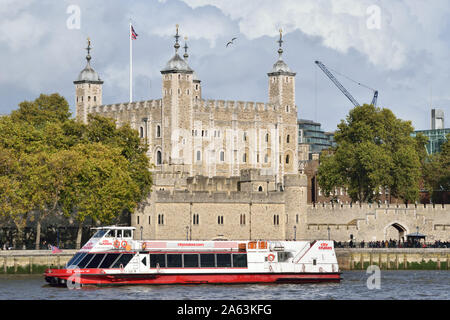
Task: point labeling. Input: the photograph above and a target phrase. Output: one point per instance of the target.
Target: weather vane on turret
(186, 56)
(176, 46)
(88, 57)
(280, 50)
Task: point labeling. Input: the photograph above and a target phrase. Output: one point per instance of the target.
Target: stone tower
(282, 82)
(88, 89)
(177, 101)
(282, 98)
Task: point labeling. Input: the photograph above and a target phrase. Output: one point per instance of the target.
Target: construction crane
(341, 87)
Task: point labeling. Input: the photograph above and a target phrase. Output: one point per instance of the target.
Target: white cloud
(342, 24)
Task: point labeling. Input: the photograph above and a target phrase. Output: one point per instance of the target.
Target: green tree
(50, 164)
(374, 151)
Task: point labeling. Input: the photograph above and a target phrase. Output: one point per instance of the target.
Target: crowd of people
(392, 244)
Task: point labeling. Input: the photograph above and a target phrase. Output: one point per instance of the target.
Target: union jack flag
(133, 34)
(55, 249)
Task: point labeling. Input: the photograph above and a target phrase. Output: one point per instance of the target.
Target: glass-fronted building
(310, 132)
(436, 138)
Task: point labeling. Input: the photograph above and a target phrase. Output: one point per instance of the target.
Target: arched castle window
(260, 188)
(287, 139)
(222, 156)
(89, 98)
(196, 87)
(158, 131)
(287, 159)
(199, 155)
(158, 157)
(244, 158)
(141, 132)
(267, 137)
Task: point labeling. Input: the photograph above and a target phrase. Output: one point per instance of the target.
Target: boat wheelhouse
(112, 256)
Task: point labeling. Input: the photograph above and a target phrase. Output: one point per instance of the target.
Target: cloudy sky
(401, 48)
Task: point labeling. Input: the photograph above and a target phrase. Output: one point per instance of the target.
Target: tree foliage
(374, 150)
(51, 164)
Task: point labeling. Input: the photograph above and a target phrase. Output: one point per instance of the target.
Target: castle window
(222, 156)
(199, 155)
(77, 99)
(257, 158)
(220, 220)
(244, 158)
(287, 159)
(287, 139)
(195, 132)
(158, 131)
(149, 219)
(296, 218)
(141, 132)
(179, 76)
(245, 136)
(196, 87)
(287, 108)
(267, 137)
(137, 219)
(266, 158)
(195, 219)
(242, 219)
(81, 98)
(196, 97)
(89, 98)
(260, 188)
(158, 157)
(95, 98)
(179, 91)
(187, 91)
(276, 219)
(160, 219)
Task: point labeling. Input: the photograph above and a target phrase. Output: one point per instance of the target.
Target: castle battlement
(170, 196)
(207, 105)
(127, 106)
(373, 206)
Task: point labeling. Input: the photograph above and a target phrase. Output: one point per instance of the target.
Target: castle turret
(282, 82)
(177, 99)
(88, 89)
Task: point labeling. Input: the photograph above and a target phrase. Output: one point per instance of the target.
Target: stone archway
(395, 231)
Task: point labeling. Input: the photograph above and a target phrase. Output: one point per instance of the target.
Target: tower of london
(230, 169)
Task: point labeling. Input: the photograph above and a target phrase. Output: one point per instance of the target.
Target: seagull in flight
(230, 42)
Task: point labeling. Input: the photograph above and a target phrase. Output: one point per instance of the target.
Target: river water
(401, 285)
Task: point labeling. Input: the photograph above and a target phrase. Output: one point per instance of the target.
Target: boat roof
(114, 228)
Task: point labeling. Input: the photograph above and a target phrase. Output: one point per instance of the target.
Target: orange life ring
(271, 257)
(123, 244)
(116, 244)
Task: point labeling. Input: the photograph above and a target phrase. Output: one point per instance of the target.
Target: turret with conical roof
(88, 88)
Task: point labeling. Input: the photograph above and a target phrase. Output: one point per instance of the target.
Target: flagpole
(131, 65)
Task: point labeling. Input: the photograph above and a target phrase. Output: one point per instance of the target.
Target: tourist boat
(113, 257)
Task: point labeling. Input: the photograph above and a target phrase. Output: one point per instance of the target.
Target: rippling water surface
(402, 285)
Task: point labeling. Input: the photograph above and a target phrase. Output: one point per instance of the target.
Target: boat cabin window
(157, 259)
(127, 233)
(224, 260)
(111, 234)
(85, 260)
(109, 259)
(190, 260)
(174, 261)
(239, 260)
(75, 259)
(284, 256)
(95, 260)
(123, 260)
(99, 233)
(207, 260)
(119, 233)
